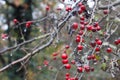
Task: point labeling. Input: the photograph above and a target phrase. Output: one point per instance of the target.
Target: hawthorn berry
(80, 69)
(15, 21)
(65, 61)
(67, 46)
(109, 50)
(75, 25)
(79, 47)
(28, 24)
(67, 66)
(99, 42)
(83, 7)
(47, 8)
(97, 49)
(105, 11)
(89, 58)
(82, 27)
(67, 74)
(64, 56)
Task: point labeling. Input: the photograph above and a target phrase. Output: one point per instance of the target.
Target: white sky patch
(90, 3)
(2, 2)
(4, 27)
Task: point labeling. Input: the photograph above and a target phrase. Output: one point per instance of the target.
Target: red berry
(4, 36)
(87, 68)
(28, 24)
(80, 69)
(96, 24)
(116, 42)
(15, 21)
(97, 49)
(65, 61)
(67, 46)
(83, 7)
(64, 56)
(89, 58)
(105, 11)
(82, 27)
(47, 8)
(82, 18)
(109, 50)
(72, 61)
(98, 28)
(80, 32)
(67, 74)
(79, 47)
(67, 66)
(55, 54)
(77, 39)
(80, 4)
(82, 22)
(46, 62)
(75, 25)
(92, 43)
(89, 27)
(99, 42)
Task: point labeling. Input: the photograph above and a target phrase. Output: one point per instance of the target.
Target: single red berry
(47, 8)
(76, 78)
(93, 43)
(97, 49)
(109, 50)
(67, 46)
(65, 61)
(77, 39)
(54, 54)
(15, 21)
(67, 74)
(4, 36)
(82, 27)
(46, 62)
(99, 42)
(82, 18)
(89, 58)
(97, 39)
(80, 4)
(80, 69)
(82, 22)
(64, 56)
(83, 7)
(89, 27)
(86, 23)
(98, 28)
(28, 24)
(96, 24)
(116, 42)
(87, 68)
(75, 25)
(79, 47)
(67, 78)
(105, 11)
(72, 61)
(67, 66)
(80, 32)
